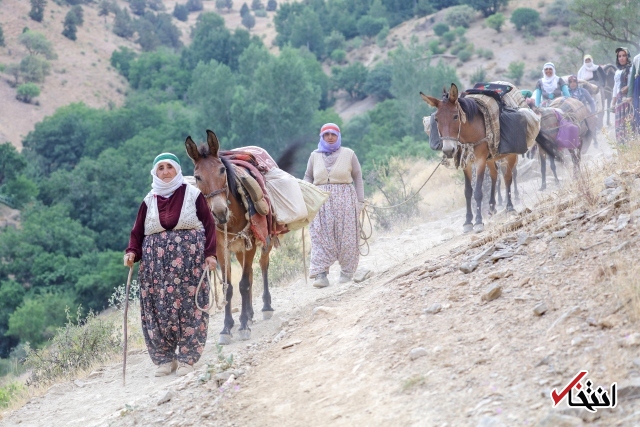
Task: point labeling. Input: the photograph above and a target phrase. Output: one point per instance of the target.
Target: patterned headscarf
(159, 187)
(324, 146)
(620, 67)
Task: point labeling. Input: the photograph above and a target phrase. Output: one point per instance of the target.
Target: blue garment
(583, 96)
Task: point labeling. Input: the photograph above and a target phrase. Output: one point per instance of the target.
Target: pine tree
(79, 12)
(70, 28)
(123, 24)
(104, 8)
(229, 5)
(272, 5)
(37, 10)
(138, 6)
(256, 5)
(1, 36)
(248, 20)
(244, 10)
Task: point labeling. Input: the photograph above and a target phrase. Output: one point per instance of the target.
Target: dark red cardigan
(169, 209)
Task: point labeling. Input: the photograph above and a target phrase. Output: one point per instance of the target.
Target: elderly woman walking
(334, 231)
(550, 86)
(174, 239)
(621, 103)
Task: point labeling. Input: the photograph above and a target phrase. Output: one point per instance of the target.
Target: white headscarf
(587, 69)
(549, 84)
(161, 188)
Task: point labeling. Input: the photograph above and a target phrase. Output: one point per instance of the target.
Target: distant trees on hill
(1, 36)
(70, 25)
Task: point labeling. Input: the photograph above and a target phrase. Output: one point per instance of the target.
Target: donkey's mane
(469, 107)
(204, 152)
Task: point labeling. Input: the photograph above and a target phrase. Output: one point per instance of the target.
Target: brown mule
(216, 180)
(460, 122)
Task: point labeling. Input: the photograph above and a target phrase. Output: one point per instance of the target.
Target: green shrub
(460, 31)
(9, 392)
(249, 21)
(464, 55)
(423, 8)
(37, 44)
(334, 41)
(244, 10)
(369, 26)
(440, 28)
(260, 13)
(194, 5)
(515, 72)
(79, 12)
(448, 38)
(495, 21)
(559, 13)
(381, 38)
(272, 5)
(69, 27)
(26, 92)
(180, 12)
(34, 69)
(436, 48)
(1, 36)
(257, 5)
(339, 56)
(487, 54)
(460, 16)
(76, 346)
(525, 18)
(479, 75)
(21, 189)
(138, 6)
(286, 263)
(37, 10)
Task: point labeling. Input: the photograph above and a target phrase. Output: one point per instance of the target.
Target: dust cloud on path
(420, 343)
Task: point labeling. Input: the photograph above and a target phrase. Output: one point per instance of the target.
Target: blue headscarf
(324, 146)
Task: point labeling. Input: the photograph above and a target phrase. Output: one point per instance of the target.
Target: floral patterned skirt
(169, 272)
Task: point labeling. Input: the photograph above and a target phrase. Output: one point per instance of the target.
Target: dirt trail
(348, 357)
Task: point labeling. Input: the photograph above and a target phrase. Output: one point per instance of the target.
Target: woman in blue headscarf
(334, 231)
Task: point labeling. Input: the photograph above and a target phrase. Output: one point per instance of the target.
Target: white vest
(188, 215)
(340, 172)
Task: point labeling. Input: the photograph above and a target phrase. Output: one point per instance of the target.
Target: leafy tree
(377, 10)
(351, 78)
(443, 4)
(378, 82)
(212, 40)
(369, 26)
(123, 24)
(157, 29)
(524, 18)
(11, 295)
(423, 8)
(147, 38)
(284, 20)
(70, 29)
(221, 5)
(37, 10)
(440, 28)
(460, 16)
(26, 92)
(11, 163)
(161, 71)
(22, 190)
(609, 20)
(37, 44)
(339, 56)
(560, 13)
(487, 7)
(334, 41)
(436, 48)
(495, 21)
(194, 5)
(1, 36)
(104, 8)
(79, 12)
(244, 10)
(138, 7)
(272, 5)
(448, 37)
(34, 69)
(515, 72)
(249, 21)
(13, 70)
(257, 5)
(180, 12)
(307, 31)
(121, 60)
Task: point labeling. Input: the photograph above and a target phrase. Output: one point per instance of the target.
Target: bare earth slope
(369, 354)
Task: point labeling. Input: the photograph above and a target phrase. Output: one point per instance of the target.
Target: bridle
(462, 117)
(224, 189)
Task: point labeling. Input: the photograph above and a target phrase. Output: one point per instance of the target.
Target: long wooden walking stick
(304, 258)
(126, 309)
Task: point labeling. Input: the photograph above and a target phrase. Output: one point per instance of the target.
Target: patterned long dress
(334, 231)
(623, 111)
(169, 272)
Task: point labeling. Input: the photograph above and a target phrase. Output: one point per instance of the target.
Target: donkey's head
(449, 118)
(211, 175)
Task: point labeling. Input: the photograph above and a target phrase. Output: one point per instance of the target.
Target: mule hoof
(510, 209)
(467, 228)
(266, 315)
(478, 228)
(224, 339)
(245, 334)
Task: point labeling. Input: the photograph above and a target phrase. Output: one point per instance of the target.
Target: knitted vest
(340, 172)
(188, 215)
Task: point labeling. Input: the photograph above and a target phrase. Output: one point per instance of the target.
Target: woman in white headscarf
(174, 238)
(550, 86)
(588, 70)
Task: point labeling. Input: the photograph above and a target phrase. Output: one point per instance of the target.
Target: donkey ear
(453, 93)
(213, 143)
(192, 149)
(434, 102)
(444, 91)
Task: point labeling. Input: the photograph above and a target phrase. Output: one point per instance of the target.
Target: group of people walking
(174, 239)
(625, 92)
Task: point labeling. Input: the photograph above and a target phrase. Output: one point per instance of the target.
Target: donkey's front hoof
(266, 315)
(225, 339)
(478, 228)
(245, 334)
(467, 228)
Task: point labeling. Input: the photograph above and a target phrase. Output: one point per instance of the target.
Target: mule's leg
(481, 164)
(267, 310)
(246, 259)
(468, 192)
(552, 165)
(225, 334)
(493, 173)
(508, 178)
(515, 182)
(575, 158)
(543, 170)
